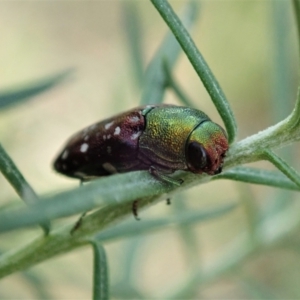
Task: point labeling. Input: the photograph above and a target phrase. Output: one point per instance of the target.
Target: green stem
(61, 240)
(276, 136)
(294, 119)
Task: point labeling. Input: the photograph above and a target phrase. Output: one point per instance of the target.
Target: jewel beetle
(158, 138)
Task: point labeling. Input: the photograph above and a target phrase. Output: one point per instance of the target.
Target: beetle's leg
(135, 205)
(168, 201)
(158, 174)
(79, 221)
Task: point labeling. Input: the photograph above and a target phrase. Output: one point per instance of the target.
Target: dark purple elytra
(104, 148)
(163, 138)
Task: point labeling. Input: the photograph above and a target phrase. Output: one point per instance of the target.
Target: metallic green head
(206, 148)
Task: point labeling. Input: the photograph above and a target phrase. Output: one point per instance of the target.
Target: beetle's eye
(197, 156)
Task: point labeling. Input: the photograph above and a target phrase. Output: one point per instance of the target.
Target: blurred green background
(251, 46)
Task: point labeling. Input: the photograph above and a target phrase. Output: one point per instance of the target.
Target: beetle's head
(206, 148)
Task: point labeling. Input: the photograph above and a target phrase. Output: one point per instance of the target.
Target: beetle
(158, 138)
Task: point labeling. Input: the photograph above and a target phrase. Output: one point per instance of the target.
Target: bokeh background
(251, 47)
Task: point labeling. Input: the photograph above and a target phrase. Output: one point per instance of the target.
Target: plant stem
(276, 136)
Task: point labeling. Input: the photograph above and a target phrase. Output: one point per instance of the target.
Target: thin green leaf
(200, 66)
(282, 77)
(281, 165)
(15, 178)
(117, 189)
(133, 30)
(155, 79)
(185, 218)
(19, 183)
(171, 83)
(296, 4)
(294, 119)
(19, 95)
(258, 176)
(101, 280)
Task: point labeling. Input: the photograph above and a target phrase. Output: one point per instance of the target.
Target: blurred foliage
(15, 96)
(198, 248)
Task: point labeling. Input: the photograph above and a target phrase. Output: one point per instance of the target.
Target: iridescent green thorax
(165, 136)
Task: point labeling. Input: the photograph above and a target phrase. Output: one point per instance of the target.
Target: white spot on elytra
(86, 138)
(134, 119)
(84, 147)
(108, 136)
(109, 168)
(135, 135)
(108, 125)
(65, 154)
(117, 130)
(108, 149)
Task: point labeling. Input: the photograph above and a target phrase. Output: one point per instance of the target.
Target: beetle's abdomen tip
(62, 165)
(59, 166)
